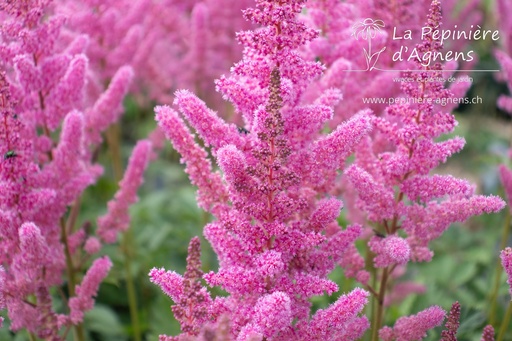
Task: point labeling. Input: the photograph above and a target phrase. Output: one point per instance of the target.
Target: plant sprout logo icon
(368, 29)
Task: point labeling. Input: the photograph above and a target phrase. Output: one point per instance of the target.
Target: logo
(367, 30)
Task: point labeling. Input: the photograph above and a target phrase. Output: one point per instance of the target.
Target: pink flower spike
(272, 313)
(506, 180)
(333, 149)
(340, 317)
(69, 92)
(506, 261)
(211, 190)
(212, 129)
(106, 110)
(85, 292)
(415, 327)
(118, 219)
(170, 282)
(488, 333)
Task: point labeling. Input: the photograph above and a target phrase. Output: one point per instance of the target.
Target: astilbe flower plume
(392, 174)
(275, 230)
(488, 333)
(400, 157)
(452, 324)
(506, 262)
(412, 328)
(192, 300)
(42, 95)
(147, 34)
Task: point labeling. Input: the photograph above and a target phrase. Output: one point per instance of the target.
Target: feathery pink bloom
(488, 333)
(337, 320)
(107, 108)
(506, 262)
(47, 162)
(415, 327)
(118, 219)
(272, 203)
(210, 188)
(85, 292)
(170, 282)
(452, 324)
(505, 60)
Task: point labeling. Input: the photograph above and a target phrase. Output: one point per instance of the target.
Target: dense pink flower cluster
(506, 261)
(146, 34)
(504, 57)
(50, 126)
(288, 139)
(391, 177)
(275, 231)
(275, 222)
(413, 327)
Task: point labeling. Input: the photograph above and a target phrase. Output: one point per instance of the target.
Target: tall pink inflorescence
(118, 219)
(412, 328)
(85, 292)
(452, 324)
(506, 261)
(391, 183)
(275, 230)
(391, 172)
(50, 125)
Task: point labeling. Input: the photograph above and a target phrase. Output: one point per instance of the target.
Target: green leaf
(103, 320)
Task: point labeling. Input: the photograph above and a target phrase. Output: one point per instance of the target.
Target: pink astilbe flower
(115, 32)
(506, 180)
(391, 250)
(2, 288)
(192, 300)
(452, 324)
(506, 262)
(399, 158)
(488, 333)
(170, 282)
(275, 230)
(107, 109)
(272, 313)
(505, 60)
(118, 219)
(505, 24)
(92, 245)
(85, 292)
(195, 35)
(341, 319)
(210, 188)
(391, 179)
(415, 327)
(46, 144)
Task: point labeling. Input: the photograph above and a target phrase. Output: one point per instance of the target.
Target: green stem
(113, 140)
(380, 305)
(114, 143)
(70, 271)
(498, 271)
(31, 336)
(505, 323)
(373, 271)
(126, 244)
